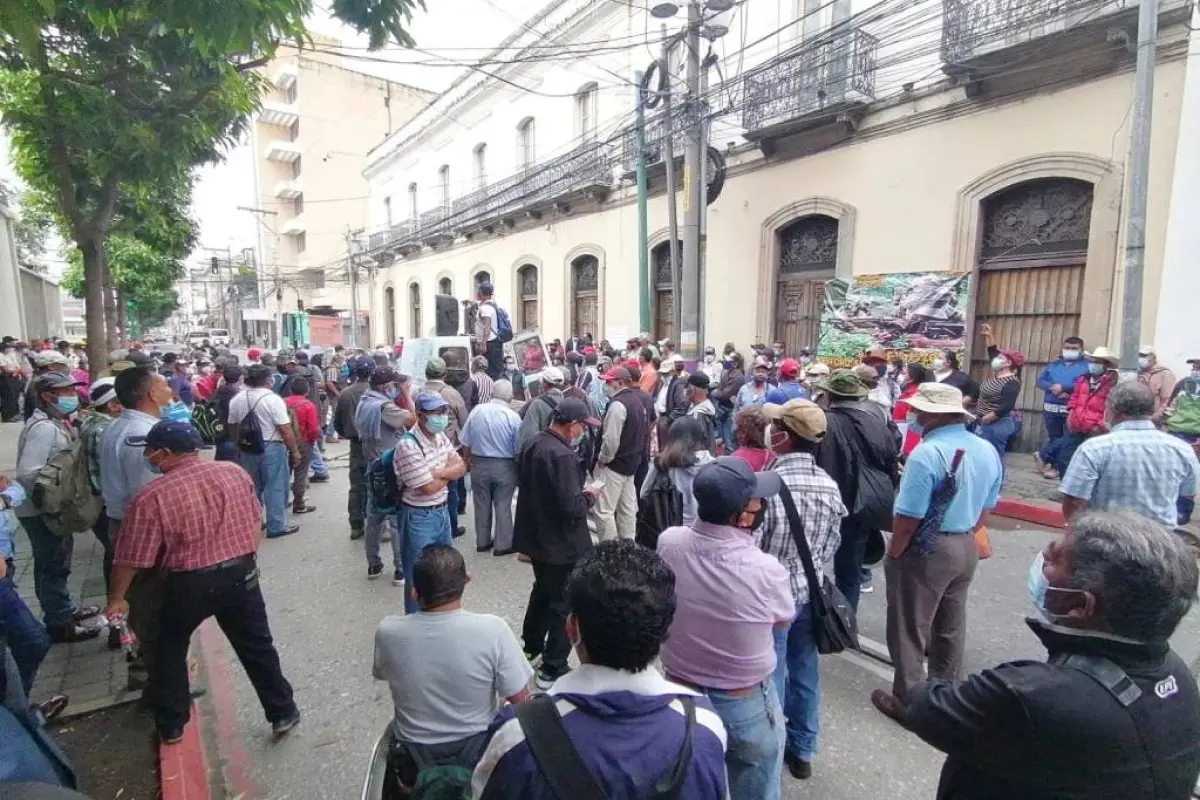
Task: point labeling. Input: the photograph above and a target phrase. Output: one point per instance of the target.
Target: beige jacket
(1162, 383)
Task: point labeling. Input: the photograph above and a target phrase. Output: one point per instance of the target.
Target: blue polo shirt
(979, 477)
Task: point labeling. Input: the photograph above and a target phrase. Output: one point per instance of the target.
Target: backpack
(504, 331)
(62, 491)
(661, 508)
(383, 488)
(441, 782)
(250, 434)
(206, 421)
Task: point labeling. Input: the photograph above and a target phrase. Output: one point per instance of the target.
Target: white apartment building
(861, 137)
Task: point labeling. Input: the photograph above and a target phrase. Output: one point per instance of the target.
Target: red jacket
(1085, 409)
(306, 418)
(900, 415)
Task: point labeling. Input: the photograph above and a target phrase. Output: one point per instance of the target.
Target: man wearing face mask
(727, 650)
(932, 556)
(1085, 409)
(10, 381)
(377, 422)
(198, 526)
(48, 431)
(754, 391)
(551, 529)
(1160, 380)
(1113, 713)
(624, 445)
(1057, 380)
(711, 367)
(426, 463)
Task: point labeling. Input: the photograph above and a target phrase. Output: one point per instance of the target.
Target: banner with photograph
(912, 315)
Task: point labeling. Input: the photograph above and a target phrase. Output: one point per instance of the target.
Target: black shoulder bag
(835, 626)
(564, 769)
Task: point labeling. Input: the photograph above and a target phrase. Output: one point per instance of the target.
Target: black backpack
(659, 509)
(250, 434)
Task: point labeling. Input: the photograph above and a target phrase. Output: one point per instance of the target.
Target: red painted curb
(182, 772)
(234, 759)
(1038, 513)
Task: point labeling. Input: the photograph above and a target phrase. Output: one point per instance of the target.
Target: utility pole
(669, 161)
(693, 156)
(1139, 172)
(643, 190)
(352, 268)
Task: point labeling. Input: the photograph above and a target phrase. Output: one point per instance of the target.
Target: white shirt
(660, 400)
(268, 407)
(487, 310)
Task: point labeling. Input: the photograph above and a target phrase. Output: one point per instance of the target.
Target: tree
(106, 99)
(31, 228)
(143, 277)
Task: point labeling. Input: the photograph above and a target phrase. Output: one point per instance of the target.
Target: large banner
(912, 315)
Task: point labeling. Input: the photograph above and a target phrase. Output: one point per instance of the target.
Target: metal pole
(1139, 172)
(353, 269)
(669, 160)
(689, 336)
(643, 190)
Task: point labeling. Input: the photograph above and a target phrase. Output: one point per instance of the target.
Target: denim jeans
(725, 428)
(754, 728)
(998, 433)
(373, 537)
(316, 466)
(1062, 450)
(797, 681)
(1056, 428)
(270, 473)
(25, 636)
(51, 569)
(848, 564)
(417, 528)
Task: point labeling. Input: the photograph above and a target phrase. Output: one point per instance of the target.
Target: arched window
(413, 211)
(526, 143)
(585, 293)
(389, 304)
(444, 185)
(414, 308)
(482, 276)
(479, 160)
(446, 286)
(527, 279)
(585, 111)
(664, 291)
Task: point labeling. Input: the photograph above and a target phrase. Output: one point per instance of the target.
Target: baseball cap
(789, 368)
(383, 375)
(362, 368)
(253, 354)
(169, 434)
(48, 358)
(572, 409)
(801, 417)
(724, 485)
(553, 376)
(435, 368)
(699, 380)
(53, 380)
(619, 374)
(431, 401)
(1146, 350)
(102, 391)
(817, 370)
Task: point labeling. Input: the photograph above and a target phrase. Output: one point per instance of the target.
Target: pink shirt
(729, 597)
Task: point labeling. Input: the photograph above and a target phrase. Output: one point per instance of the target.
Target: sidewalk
(90, 674)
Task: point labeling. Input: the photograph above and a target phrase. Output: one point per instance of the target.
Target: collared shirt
(92, 432)
(1134, 467)
(14, 495)
(123, 468)
(819, 503)
(492, 430)
(414, 463)
(729, 597)
(41, 439)
(483, 385)
(979, 476)
(195, 516)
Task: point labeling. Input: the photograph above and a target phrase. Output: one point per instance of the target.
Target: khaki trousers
(927, 610)
(615, 511)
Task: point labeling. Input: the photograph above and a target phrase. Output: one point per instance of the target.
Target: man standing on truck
(487, 341)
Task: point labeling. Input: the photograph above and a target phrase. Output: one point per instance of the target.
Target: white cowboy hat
(1102, 353)
(938, 398)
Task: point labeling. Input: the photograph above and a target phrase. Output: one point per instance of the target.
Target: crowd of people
(677, 523)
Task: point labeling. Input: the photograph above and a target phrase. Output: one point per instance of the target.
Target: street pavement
(323, 613)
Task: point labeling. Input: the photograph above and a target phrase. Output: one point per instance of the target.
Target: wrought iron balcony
(656, 127)
(834, 72)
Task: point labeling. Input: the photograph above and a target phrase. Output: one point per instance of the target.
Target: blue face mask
(392, 393)
(67, 405)
(1096, 368)
(1039, 586)
(913, 425)
(437, 422)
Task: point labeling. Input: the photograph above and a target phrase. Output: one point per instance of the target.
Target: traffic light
(216, 265)
(299, 304)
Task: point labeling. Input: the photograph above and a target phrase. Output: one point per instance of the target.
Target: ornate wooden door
(585, 283)
(664, 295)
(528, 277)
(807, 259)
(1030, 287)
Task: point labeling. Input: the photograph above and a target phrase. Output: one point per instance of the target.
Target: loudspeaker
(445, 315)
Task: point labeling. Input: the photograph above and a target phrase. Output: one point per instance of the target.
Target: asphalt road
(323, 613)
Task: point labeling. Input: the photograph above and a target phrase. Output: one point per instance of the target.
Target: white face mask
(1143, 362)
(708, 359)
(938, 364)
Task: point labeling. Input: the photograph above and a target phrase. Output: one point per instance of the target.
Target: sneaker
(459, 532)
(398, 578)
(70, 632)
(319, 479)
(800, 769)
(284, 725)
(535, 661)
(867, 586)
(544, 680)
(374, 571)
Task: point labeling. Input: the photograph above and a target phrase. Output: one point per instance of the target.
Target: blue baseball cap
(173, 435)
(431, 401)
(723, 486)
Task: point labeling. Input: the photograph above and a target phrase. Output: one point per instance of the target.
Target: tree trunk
(110, 315)
(94, 297)
(122, 319)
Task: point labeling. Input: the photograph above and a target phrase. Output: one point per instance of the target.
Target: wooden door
(585, 283)
(807, 259)
(798, 312)
(664, 294)
(1030, 283)
(528, 276)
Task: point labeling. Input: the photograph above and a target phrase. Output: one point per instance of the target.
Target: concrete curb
(1049, 516)
(183, 773)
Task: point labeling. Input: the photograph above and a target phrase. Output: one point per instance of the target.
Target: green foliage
(31, 228)
(140, 272)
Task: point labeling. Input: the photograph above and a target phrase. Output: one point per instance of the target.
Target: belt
(748, 690)
(410, 505)
(246, 560)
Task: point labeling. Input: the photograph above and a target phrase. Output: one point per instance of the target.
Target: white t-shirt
(487, 310)
(268, 407)
(447, 671)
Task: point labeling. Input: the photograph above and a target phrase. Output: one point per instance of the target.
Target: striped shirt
(819, 503)
(483, 386)
(415, 460)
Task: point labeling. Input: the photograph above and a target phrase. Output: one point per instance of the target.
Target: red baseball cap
(789, 368)
(620, 374)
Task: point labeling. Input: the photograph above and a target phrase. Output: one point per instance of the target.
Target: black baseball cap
(383, 376)
(699, 380)
(169, 434)
(572, 409)
(724, 485)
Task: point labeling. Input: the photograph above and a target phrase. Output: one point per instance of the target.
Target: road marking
(869, 664)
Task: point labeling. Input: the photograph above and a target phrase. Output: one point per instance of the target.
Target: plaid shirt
(1135, 467)
(197, 515)
(819, 502)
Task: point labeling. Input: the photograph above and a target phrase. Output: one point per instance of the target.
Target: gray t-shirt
(447, 671)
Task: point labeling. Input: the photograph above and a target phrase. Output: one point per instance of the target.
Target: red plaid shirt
(199, 514)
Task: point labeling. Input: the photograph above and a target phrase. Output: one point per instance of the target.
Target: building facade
(859, 139)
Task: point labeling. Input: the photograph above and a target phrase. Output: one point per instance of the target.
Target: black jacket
(551, 521)
(859, 452)
(1029, 730)
(726, 392)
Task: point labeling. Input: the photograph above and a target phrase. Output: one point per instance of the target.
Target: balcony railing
(832, 71)
(655, 134)
(973, 28)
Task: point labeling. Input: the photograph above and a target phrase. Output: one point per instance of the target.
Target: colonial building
(860, 138)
